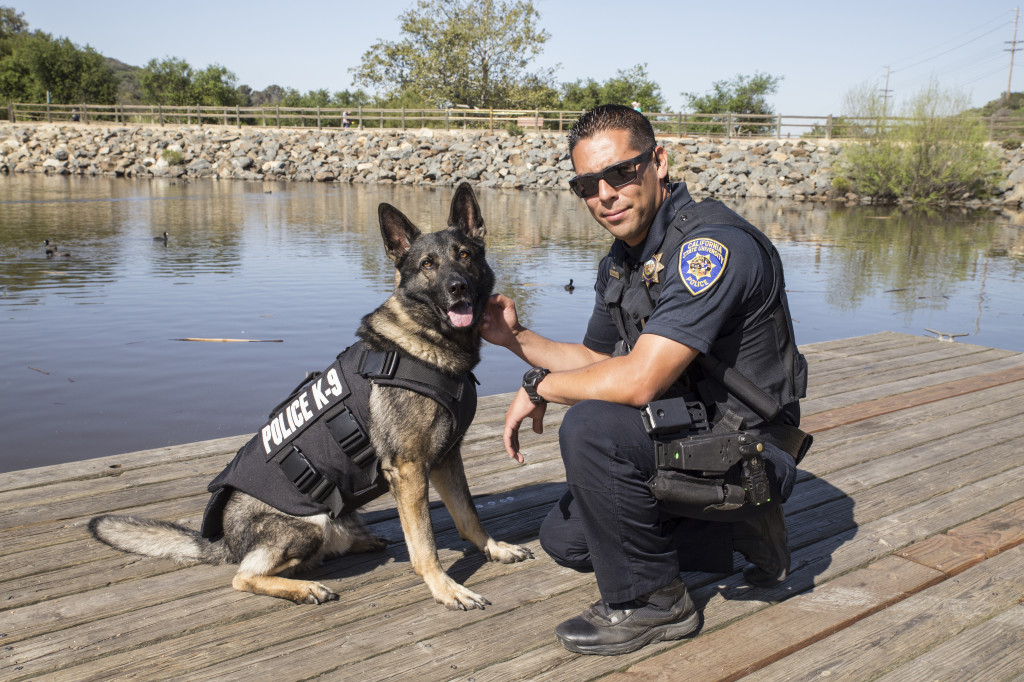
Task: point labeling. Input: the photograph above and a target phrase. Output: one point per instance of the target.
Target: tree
(351, 100)
(269, 96)
(12, 23)
(741, 95)
(459, 52)
(36, 67)
(628, 86)
(67, 73)
(167, 81)
(215, 86)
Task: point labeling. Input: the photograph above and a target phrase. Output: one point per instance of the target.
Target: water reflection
(90, 368)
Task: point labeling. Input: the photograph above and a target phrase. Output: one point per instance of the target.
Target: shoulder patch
(701, 263)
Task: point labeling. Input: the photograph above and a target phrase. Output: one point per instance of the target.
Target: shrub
(514, 130)
(172, 157)
(934, 154)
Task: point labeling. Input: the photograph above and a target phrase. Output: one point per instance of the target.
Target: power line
(983, 76)
(971, 69)
(965, 33)
(957, 47)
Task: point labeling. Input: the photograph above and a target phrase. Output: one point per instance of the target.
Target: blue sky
(821, 49)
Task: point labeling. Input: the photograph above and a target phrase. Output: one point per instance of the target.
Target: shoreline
(799, 169)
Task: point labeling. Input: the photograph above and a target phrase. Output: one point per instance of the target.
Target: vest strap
(301, 472)
(389, 367)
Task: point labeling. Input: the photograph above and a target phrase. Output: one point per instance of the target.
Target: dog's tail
(156, 538)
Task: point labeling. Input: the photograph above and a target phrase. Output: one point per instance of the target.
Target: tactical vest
(769, 376)
(314, 455)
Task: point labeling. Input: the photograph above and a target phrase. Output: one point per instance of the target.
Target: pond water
(92, 364)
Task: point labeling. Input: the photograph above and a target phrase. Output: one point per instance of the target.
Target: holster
(700, 467)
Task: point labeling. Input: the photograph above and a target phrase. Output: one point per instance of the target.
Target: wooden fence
(727, 125)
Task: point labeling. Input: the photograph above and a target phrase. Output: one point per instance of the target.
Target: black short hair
(613, 117)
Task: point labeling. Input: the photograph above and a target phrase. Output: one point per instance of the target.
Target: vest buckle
(378, 364)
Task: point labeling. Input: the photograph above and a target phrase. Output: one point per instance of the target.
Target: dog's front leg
(409, 486)
(449, 478)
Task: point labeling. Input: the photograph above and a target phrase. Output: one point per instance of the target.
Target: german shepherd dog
(442, 284)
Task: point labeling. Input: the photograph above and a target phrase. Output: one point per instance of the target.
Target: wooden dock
(906, 527)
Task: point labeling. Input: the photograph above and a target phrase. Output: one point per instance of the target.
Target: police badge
(652, 267)
(701, 263)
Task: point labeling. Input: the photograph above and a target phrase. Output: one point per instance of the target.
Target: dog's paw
(313, 593)
(368, 543)
(456, 597)
(506, 553)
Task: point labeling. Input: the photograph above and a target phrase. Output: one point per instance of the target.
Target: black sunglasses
(616, 175)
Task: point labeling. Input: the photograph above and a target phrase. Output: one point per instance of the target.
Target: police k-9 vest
(314, 455)
(769, 376)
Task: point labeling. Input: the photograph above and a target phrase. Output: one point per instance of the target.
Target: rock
(710, 166)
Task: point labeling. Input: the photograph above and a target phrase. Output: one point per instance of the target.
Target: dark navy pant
(611, 523)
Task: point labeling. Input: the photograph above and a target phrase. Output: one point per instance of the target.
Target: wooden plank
(890, 358)
(994, 533)
(899, 369)
(885, 389)
(989, 651)
(864, 493)
(971, 543)
(911, 628)
(105, 466)
(863, 477)
(947, 421)
(885, 358)
(728, 599)
(767, 636)
(890, 482)
(830, 419)
(901, 527)
(113, 568)
(375, 620)
(861, 345)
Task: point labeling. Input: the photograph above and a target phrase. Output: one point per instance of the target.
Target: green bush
(933, 154)
(172, 157)
(514, 130)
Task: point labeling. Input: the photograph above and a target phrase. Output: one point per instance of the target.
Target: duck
(569, 287)
(161, 239)
(51, 250)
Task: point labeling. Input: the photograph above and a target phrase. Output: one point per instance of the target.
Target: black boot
(764, 542)
(609, 629)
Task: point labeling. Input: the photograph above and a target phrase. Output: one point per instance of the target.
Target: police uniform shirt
(696, 316)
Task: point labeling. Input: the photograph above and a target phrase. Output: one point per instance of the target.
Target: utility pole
(885, 93)
(1013, 48)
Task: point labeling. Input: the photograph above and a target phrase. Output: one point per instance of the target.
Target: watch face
(530, 381)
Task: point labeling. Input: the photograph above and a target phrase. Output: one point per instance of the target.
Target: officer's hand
(500, 320)
(519, 410)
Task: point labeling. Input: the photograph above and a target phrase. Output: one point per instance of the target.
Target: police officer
(689, 297)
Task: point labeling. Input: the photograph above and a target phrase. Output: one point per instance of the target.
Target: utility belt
(699, 466)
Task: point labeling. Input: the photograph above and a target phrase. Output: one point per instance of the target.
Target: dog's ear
(465, 214)
(397, 231)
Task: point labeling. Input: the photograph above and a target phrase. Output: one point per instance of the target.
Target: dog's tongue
(461, 315)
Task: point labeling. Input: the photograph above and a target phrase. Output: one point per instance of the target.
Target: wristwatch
(531, 379)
